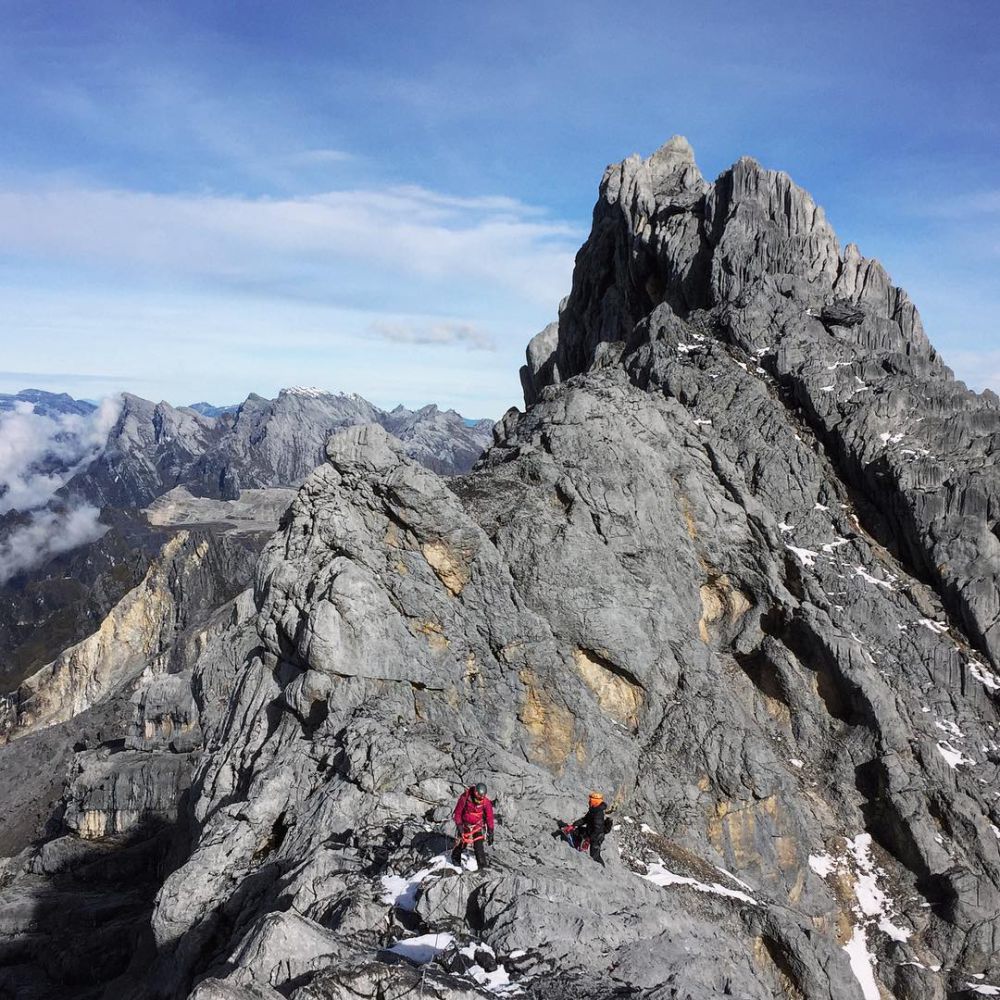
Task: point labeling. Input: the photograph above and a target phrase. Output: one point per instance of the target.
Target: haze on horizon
(197, 202)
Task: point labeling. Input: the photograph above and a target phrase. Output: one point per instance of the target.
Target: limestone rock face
(751, 262)
(733, 566)
(192, 574)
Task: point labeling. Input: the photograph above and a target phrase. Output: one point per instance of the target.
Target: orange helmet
(596, 798)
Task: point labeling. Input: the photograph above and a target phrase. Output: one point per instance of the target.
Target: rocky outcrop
(672, 578)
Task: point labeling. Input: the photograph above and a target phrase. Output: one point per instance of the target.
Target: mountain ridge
(699, 572)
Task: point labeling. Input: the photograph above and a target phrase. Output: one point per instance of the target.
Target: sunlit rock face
(733, 566)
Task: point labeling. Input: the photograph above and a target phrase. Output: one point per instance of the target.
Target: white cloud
(40, 453)
(307, 244)
(473, 337)
(46, 534)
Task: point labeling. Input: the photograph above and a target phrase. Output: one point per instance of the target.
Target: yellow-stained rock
(618, 697)
(549, 724)
(450, 567)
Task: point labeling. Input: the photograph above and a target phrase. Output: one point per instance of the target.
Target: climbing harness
(471, 835)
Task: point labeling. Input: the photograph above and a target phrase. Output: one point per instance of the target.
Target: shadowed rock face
(700, 573)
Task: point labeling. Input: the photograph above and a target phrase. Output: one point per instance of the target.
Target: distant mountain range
(46, 403)
(206, 451)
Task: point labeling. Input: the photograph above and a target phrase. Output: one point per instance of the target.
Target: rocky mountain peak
(734, 566)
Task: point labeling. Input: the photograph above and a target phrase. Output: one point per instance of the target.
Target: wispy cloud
(46, 534)
(970, 206)
(468, 334)
(316, 157)
(301, 244)
(27, 380)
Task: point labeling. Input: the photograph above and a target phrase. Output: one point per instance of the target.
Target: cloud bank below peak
(39, 454)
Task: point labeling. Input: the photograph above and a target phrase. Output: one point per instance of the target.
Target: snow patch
(952, 756)
(402, 892)
(949, 727)
(311, 391)
(805, 556)
(424, 948)
(872, 900)
(822, 864)
(873, 909)
(936, 627)
(889, 438)
(862, 964)
(660, 875)
(984, 676)
(497, 981)
(866, 576)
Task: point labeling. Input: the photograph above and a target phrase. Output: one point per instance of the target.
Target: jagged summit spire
(675, 151)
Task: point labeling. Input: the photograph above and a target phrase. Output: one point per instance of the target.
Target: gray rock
(116, 793)
(692, 575)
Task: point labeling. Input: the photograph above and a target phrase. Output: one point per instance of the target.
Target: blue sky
(199, 200)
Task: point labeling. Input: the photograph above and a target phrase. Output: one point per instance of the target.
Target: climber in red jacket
(474, 819)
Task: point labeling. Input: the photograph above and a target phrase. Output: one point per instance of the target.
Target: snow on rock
(934, 626)
(497, 981)
(866, 576)
(873, 909)
(984, 676)
(953, 758)
(949, 727)
(402, 892)
(422, 949)
(310, 391)
(862, 964)
(872, 900)
(660, 875)
(822, 864)
(984, 989)
(805, 556)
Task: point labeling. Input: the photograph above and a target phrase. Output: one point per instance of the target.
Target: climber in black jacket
(593, 825)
